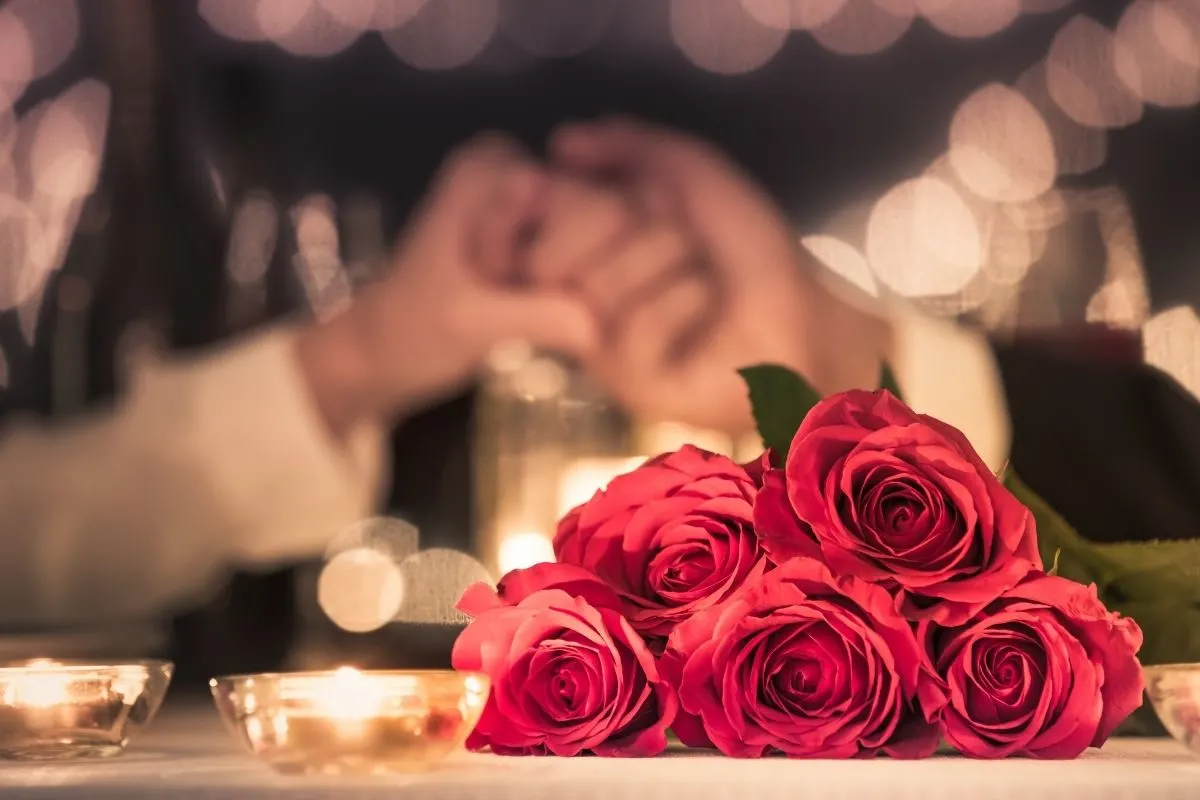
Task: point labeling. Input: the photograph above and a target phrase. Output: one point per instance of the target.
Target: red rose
(569, 674)
(1045, 671)
(674, 537)
(805, 664)
(902, 499)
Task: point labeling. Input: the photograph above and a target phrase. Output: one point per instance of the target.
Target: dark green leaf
(887, 380)
(1152, 570)
(1171, 629)
(780, 400)
(1058, 542)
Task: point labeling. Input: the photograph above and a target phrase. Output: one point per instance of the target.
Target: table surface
(187, 754)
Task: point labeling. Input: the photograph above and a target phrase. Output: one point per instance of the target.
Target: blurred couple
(641, 253)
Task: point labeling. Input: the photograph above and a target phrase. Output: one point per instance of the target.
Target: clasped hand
(644, 254)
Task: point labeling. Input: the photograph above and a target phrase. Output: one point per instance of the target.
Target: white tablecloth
(187, 754)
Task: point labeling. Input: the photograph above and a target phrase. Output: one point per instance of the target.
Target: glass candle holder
(348, 722)
(57, 710)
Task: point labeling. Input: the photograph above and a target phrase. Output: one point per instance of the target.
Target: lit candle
(348, 721)
(65, 710)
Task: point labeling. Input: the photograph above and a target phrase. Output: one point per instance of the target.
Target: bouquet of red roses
(867, 586)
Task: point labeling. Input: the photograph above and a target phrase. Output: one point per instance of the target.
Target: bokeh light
(1081, 76)
(53, 27)
(1000, 147)
(524, 549)
(554, 29)
(865, 27)
(844, 260)
(314, 34)
(445, 34)
(1172, 343)
(16, 58)
(433, 580)
(394, 537)
(970, 19)
(722, 36)
(318, 259)
(1123, 301)
(252, 240)
(801, 15)
(922, 240)
(233, 19)
(360, 590)
(1078, 149)
(1157, 52)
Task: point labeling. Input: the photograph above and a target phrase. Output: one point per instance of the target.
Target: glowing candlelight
(347, 721)
(59, 710)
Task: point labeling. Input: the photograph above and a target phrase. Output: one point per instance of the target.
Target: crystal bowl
(1174, 691)
(351, 722)
(57, 710)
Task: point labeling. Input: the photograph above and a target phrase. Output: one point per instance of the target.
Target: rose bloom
(569, 674)
(1045, 671)
(673, 537)
(805, 664)
(892, 496)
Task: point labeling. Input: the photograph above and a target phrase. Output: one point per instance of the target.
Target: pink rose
(569, 674)
(673, 537)
(805, 664)
(1045, 671)
(899, 498)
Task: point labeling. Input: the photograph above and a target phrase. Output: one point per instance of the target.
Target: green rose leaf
(780, 399)
(1069, 553)
(887, 380)
(1152, 570)
(1171, 629)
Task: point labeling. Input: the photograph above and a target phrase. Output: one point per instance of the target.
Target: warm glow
(434, 579)
(793, 14)
(1000, 147)
(1157, 52)
(445, 34)
(922, 240)
(970, 19)
(863, 27)
(721, 36)
(360, 590)
(1081, 75)
(252, 239)
(844, 260)
(1172, 343)
(16, 57)
(521, 550)
(1078, 149)
(349, 694)
(585, 477)
(40, 687)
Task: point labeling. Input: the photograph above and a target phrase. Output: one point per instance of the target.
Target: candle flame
(39, 689)
(350, 695)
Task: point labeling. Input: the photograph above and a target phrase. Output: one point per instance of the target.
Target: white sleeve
(950, 372)
(206, 464)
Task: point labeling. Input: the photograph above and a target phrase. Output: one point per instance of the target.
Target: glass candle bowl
(350, 722)
(57, 710)
(1174, 691)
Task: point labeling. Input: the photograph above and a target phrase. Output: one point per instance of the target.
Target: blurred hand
(424, 331)
(718, 280)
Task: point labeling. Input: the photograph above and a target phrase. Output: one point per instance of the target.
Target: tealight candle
(349, 721)
(57, 710)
